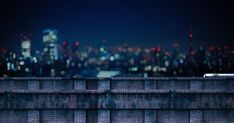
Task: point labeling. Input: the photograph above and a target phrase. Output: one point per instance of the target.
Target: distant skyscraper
(50, 40)
(75, 51)
(25, 46)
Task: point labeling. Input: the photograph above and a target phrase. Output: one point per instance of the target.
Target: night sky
(136, 22)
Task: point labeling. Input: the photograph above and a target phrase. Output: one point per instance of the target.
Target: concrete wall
(117, 116)
(120, 100)
(117, 100)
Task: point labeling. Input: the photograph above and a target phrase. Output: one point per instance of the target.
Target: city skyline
(142, 23)
(66, 60)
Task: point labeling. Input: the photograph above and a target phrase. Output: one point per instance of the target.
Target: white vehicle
(218, 75)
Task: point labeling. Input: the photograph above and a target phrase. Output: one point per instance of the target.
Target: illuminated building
(50, 40)
(104, 54)
(25, 46)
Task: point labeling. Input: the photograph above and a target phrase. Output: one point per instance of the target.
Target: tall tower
(25, 46)
(191, 52)
(50, 41)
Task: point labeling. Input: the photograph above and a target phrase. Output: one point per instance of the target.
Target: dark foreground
(117, 100)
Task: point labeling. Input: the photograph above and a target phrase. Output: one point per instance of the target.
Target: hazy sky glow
(136, 22)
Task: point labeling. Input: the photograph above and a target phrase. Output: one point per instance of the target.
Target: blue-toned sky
(136, 22)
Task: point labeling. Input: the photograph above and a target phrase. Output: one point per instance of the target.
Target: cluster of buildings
(73, 60)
